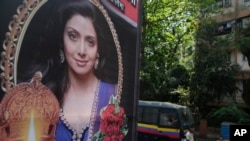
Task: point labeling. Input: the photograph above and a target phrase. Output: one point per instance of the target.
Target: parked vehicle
(163, 121)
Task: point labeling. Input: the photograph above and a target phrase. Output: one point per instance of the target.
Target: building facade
(235, 17)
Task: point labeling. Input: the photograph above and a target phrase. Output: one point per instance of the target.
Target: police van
(163, 121)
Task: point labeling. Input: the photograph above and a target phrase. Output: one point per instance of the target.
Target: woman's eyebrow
(69, 27)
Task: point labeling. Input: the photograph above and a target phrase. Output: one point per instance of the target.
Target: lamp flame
(32, 132)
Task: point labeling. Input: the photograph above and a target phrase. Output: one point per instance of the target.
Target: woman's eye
(73, 36)
(91, 42)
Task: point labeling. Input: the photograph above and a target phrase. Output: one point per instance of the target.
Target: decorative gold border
(118, 47)
(13, 41)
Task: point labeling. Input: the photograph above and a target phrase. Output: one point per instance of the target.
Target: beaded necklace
(77, 134)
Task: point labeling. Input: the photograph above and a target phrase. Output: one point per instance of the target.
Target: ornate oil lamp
(29, 111)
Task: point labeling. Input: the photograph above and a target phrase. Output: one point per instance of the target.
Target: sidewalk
(209, 137)
(212, 135)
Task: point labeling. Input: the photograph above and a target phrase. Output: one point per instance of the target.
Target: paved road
(205, 139)
(210, 137)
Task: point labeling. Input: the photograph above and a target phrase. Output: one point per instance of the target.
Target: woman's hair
(56, 76)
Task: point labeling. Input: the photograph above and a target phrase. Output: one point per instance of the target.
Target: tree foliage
(213, 75)
(230, 113)
(168, 28)
(182, 58)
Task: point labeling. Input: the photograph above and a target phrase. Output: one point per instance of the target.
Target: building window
(246, 22)
(246, 0)
(224, 3)
(225, 28)
(227, 3)
(219, 3)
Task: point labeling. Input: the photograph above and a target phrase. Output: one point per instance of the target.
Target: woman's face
(80, 45)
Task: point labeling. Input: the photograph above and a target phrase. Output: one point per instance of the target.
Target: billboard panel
(69, 69)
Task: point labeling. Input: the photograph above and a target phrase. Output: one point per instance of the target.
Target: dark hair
(54, 40)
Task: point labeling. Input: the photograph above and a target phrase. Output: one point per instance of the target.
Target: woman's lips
(81, 63)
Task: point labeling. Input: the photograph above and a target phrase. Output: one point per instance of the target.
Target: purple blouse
(63, 133)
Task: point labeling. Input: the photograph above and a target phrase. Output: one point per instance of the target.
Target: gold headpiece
(29, 111)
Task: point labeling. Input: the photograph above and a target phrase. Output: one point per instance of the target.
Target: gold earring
(96, 62)
(62, 57)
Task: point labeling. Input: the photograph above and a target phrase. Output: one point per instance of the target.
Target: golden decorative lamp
(29, 112)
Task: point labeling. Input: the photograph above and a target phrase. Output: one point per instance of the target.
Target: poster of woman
(83, 54)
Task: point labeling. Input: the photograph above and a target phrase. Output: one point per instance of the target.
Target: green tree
(168, 33)
(168, 28)
(213, 75)
(229, 113)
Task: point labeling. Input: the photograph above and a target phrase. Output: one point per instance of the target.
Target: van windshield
(186, 117)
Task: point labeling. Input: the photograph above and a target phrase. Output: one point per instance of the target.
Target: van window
(186, 116)
(184, 113)
(150, 115)
(164, 119)
(140, 110)
(168, 118)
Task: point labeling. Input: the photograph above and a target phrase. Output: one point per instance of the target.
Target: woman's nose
(82, 49)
